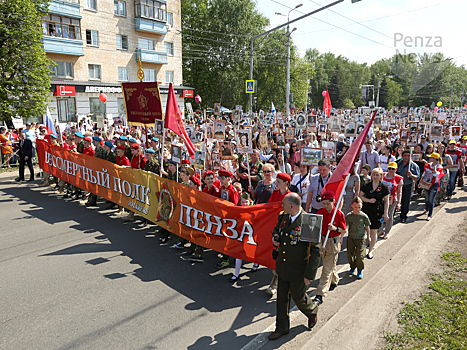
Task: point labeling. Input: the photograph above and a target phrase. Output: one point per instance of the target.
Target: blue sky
(385, 26)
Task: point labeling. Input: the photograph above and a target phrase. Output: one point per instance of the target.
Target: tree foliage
(24, 67)
(216, 55)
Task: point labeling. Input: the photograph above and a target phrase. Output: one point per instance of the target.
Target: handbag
(425, 185)
(460, 183)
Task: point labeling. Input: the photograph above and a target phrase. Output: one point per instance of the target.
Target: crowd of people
(384, 180)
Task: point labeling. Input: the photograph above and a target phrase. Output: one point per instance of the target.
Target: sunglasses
(267, 171)
(391, 168)
(272, 163)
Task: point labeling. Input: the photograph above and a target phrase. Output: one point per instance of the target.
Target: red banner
(240, 232)
(142, 102)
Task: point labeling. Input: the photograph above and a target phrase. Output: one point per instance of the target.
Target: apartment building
(96, 45)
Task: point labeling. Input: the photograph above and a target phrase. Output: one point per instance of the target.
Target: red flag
(327, 104)
(337, 180)
(174, 122)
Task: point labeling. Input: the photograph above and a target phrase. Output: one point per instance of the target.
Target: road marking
(261, 339)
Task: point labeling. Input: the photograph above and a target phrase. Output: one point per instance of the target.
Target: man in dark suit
(296, 266)
(25, 156)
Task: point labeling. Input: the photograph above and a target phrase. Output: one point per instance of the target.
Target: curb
(11, 175)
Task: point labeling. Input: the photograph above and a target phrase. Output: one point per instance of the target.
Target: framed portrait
(422, 129)
(289, 133)
(226, 150)
(209, 131)
(426, 118)
(236, 115)
(190, 130)
(261, 114)
(159, 127)
(322, 128)
(384, 125)
(280, 141)
(279, 115)
(404, 110)
(216, 161)
(436, 131)
(416, 157)
(199, 159)
(311, 120)
(413, 127)
(395, 110)
(329, 150)
(377, 121)
(217, 109)
(360, 127)
(360, 118)
(189, 108)
(404, 133)
(263, 140)
(310, 230)
(239, 107)
(456, 132)
(244, 142)
(199, 136)
(335, 124)
(350, 129)
(434, 119)
(219, 127)
(441, 117)
(301, 121)
(276, 128)
(311, 156)
(412, 139)
(176, 154)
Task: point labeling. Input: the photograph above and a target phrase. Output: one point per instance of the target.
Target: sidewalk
(11, 175)
(365, 316)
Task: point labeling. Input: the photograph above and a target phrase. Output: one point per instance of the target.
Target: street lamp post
(287, 88)
(280, 26)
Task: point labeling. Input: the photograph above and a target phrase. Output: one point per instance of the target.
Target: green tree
(24, 66)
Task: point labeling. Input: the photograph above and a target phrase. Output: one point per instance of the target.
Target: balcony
(150, 26)
(63, 46)
(65, 8)
(150, 56)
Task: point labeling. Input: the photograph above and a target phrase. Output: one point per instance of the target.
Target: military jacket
(100, 152)
(111, 157)
(128, 152)
(152, 166)
(296, 259)
(80, 147)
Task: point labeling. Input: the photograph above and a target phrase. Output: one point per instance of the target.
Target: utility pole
(252, 47)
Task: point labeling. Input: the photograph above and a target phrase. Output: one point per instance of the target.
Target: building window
(62, 70)
(146, 44)
(122, 42)
(169, 76)
(96, 107)
(169, 48)
(62, 27)
(149, 75)
(66, 107)
(92, 37)
(94, 71)
(90, 4)
(151, 9)
(122, 74)
(170, 19)
(120, 8)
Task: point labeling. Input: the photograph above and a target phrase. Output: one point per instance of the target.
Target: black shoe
(403, 221)
(111, 206)
(143, 224)
(91, 204)
(312, 321)
(332, 287)
(31, 180)
(318, 300)
(18, 179)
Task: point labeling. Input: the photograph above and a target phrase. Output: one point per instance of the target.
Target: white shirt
(303, 188)
(293, 218)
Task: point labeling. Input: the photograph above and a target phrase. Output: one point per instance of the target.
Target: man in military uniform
(79, 142)
(152, 164)
(109, 155)
(256, 171)
(296, 266)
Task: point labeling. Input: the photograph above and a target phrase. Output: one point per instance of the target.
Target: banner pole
(248, 166)
(177, 172)
(162, 151)
(335, 211)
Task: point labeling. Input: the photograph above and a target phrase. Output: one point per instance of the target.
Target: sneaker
(360, 274)
(271, 290)
(403, 221)
(352, 272)
(318, 300)
(178, 245)
(222, 264)
(428, 218)
(197, 258)
(369, 256)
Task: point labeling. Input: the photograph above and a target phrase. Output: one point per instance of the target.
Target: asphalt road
(73, 277)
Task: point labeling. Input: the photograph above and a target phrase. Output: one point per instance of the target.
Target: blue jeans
(430, 198)
(405, 200)
(452, 182)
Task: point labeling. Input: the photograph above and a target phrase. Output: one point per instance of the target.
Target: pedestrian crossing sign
(250, 86)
